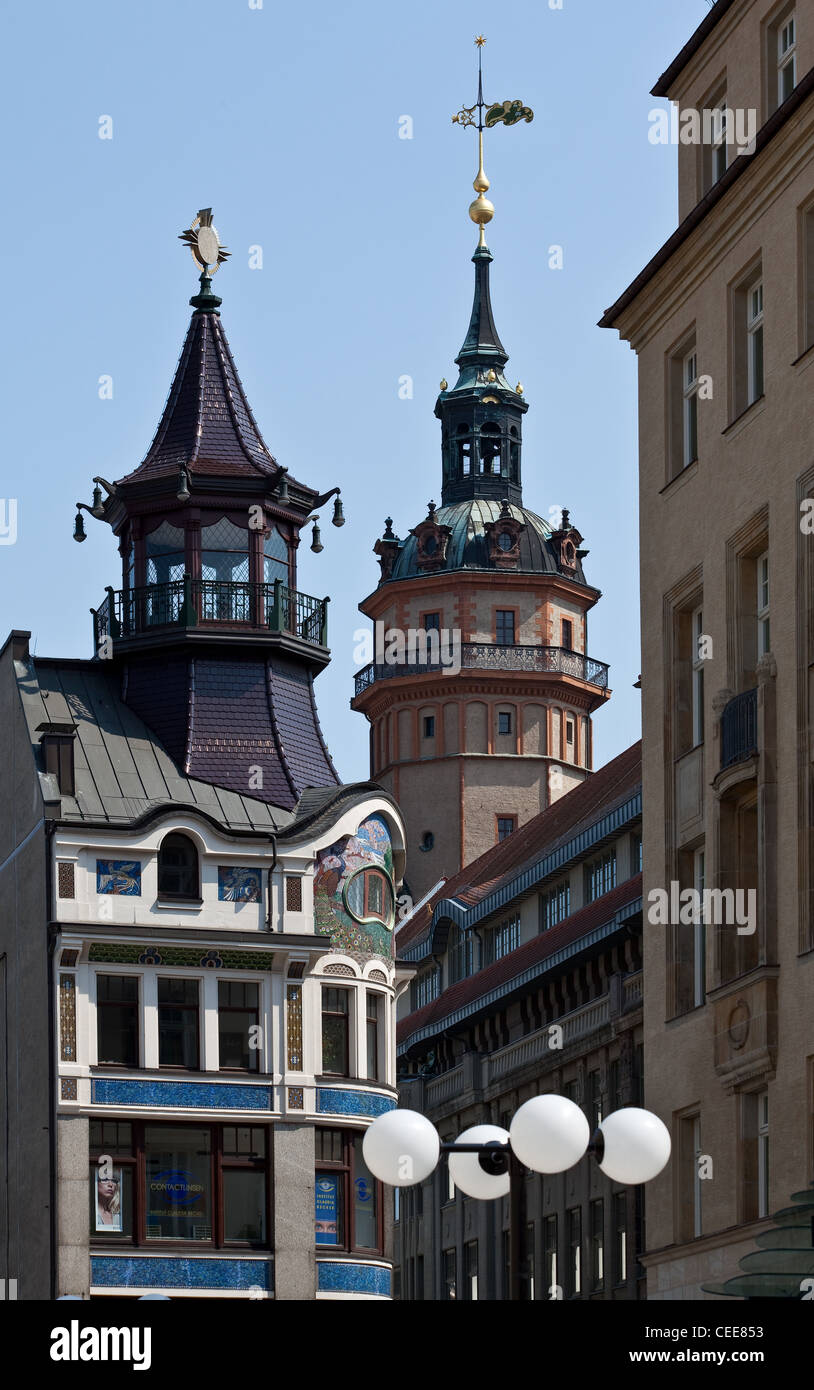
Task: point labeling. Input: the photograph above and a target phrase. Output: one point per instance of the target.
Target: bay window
(348, 1199)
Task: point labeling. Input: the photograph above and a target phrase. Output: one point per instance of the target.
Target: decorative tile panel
(296, 1099)
(67, 1088)
(343, 1276)
(293, 1009)
(339, 970)
(168, 1272)
(379, 977)
(331, 1101)
(119, 876)
(189, 1095)
(238, 885)
(112, 953)
(67, 1018)
(293, 893)
(65, 880)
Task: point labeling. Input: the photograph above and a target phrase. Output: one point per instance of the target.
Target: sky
(286, 120)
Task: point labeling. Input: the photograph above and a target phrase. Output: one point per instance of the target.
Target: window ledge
(682, 477)
(740, 421)
(806, 357)
(178, 905)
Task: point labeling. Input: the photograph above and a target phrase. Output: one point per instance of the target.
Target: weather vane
(496, 113)
(204, 243)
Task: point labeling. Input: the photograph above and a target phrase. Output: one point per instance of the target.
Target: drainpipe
(271, 868)
(50, 831)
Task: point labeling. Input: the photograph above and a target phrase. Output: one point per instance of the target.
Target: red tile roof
(597, 795)
(531, 953)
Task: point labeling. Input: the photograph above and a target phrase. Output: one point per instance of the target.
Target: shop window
(348, 1199)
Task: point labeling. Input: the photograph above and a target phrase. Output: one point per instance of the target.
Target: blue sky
(285, 120)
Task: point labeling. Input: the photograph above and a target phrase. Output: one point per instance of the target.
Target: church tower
(481, 690)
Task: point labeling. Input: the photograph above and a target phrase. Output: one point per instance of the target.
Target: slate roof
(532, 957)
(122, 771)
(468, 546)
(207, 423)
(501, 865)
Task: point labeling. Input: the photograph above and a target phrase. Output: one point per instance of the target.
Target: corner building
(196, 916)
(473, 750)
(727, 569)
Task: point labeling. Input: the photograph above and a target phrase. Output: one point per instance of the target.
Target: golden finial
(519, 388)
(481, 210)
(444, 384)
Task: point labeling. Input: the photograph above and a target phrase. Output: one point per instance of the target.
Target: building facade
(196, 916)
(721, 321)
(528, 980)
(481, 691)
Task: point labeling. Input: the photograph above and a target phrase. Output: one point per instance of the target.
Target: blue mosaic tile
(192, 1095)
(119, 876)
(340, 1276)
(165, 1272)
(332, 1101)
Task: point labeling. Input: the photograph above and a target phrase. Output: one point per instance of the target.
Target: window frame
(350, 995)
(166, 895)
(136, 1160)
(786, 57)
(345, 1167)
(755, 358)
(233, 1008)
(697, 664)
(104, 1004)
(187, 979)
(501, 823)
(369, 871)
(503, 625)
(763, 599)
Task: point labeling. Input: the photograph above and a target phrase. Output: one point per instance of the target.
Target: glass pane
(117, 1034)
(328, 1209)
(375, 888)
(366, 1224)
(355, 895)
(111, 1201)
(334, 1044)
(233, 1034)
(179, 1183)
(178, 1023)
(244, 1205)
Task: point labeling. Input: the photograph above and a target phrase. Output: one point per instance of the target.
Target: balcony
(211, 604)
(489, 656)
(739, 729)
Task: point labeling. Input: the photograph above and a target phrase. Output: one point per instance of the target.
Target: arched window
(369, 897)
(464, 448)
(178, 875)
(490, 448)
(514, 454)
(225, 573)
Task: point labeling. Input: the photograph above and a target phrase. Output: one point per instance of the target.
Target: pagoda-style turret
(216, 646)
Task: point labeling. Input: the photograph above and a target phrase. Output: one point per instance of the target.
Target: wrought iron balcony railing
(189, 602)
(491, 656)
(739, 729)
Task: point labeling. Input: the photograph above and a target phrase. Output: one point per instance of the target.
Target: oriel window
(335, 1031)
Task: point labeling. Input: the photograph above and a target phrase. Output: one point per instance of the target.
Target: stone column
(294, 1252)
(73, 1205)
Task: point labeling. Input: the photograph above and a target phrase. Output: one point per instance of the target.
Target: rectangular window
(335, 1032)
(569, 731)
(567, 639)
(597, 1218)
(527, 1284)
(238, 1025)
(697, 678)
(424, 988)
(178, 1023)
(699, 932)
(555, 906)
(501, 940)
(763, 628)
(432, 622)
(504, 627)
(601, 875)
(574, 1220)
(194, 1184)
(595, 1100)
(372, 1024)
(505, 826)
(619, 1237)
(504, 722)
(550, 1256)
(347, 1196)
(807, 258)
(637, 854)
(755, 1155)
(58, 751)
(689, 1196)
(754, 329)
(117, 1020)
(786, 58)
(429, 726)
(450, 1275)
(471, 1271)
(690, 395)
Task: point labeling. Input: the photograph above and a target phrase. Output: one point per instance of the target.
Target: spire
(482, 346)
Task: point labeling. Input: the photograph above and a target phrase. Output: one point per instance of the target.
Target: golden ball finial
(519, 388)
(491, 375)
(481, 211)
(444, 384)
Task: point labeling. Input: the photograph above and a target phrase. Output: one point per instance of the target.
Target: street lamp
(548, 1134)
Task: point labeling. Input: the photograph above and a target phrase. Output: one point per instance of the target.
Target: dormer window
(58, 755)
(178, 875)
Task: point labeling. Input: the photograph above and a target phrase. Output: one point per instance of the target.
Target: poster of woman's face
(108, 1199)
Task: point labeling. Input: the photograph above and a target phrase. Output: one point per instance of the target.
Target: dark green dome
(468, 547)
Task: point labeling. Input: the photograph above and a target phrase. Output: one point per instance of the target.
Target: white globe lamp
(401, 1148)
(634, 1145)
(549, 1134)
(470, 1175)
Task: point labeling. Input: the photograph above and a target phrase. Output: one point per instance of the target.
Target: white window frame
(697, 622)
(763, 601)
(696, 1177)
(786, 56)
(755, 344)
(719, 153)
(689, 381)
(762, 1102)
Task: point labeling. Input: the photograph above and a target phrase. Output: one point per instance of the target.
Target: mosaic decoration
(67, 1088)
(114, 953)
(293, 1009)
(293, 893)
(65, 880)
(190, 1095)
(331, 1101)
(379, 977)
(369, 847)
(339, 970)
(67, 1018)
(296, 1098)
(342, 1276)
(166, 1272)
(236, 885)
(119, 876)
